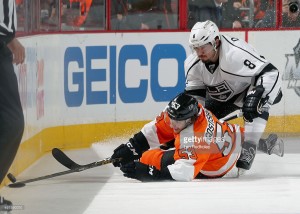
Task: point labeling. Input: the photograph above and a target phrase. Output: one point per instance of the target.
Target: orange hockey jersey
(208, 146)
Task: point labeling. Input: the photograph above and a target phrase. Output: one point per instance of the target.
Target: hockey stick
(231, 117)
(79, 168)
(63, 159)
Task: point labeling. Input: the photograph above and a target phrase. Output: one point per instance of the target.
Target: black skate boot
(271, 145)
(5, 206)
(247, 155)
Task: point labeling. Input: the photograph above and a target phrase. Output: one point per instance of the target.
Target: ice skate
(272, 145)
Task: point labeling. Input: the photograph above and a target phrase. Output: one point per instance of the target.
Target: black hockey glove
(143, 172)
(131, 150)
(127, 152)
(252, 104)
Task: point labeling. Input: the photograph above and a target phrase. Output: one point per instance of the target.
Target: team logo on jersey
(292, 69)
(221, 92)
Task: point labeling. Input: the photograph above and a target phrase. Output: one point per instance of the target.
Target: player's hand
(252, 105)
(140, 171)
(126, 153)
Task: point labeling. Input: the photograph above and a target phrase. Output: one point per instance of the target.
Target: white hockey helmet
(203, 33)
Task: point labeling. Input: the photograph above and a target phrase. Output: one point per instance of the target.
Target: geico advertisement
(121, 77)
(131, 72)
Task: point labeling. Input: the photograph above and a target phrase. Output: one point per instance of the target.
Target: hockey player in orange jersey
(204, 146)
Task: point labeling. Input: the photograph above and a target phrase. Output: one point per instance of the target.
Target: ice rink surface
(271, 186)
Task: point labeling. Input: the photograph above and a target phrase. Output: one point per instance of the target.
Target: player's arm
(144, 172)
(199, 94)
(152, 135)
(183, 169)
(271, 80)
(265, 91)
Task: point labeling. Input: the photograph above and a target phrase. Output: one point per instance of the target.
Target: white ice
(271, 186)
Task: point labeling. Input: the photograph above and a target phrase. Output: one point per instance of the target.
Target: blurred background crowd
(73, 15)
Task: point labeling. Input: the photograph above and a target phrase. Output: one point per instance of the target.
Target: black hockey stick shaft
(77, 169)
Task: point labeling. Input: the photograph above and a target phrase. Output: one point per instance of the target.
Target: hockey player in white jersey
(226, 74)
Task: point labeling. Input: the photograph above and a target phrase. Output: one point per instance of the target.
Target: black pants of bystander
(11, 113)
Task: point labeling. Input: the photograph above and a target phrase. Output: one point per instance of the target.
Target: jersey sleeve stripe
(274, 84)
(243, 50)
(268, 68)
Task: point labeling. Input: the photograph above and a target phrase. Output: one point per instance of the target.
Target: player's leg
(271, 145)
(220, 110)
(255, 127)
(252, 135)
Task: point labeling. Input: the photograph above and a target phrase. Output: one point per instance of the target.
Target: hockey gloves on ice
(143, 172)
(130, 151)
(252, 104)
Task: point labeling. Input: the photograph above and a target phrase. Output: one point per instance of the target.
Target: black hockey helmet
(182, 107)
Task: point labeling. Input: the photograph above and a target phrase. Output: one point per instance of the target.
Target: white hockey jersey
(239, 67)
